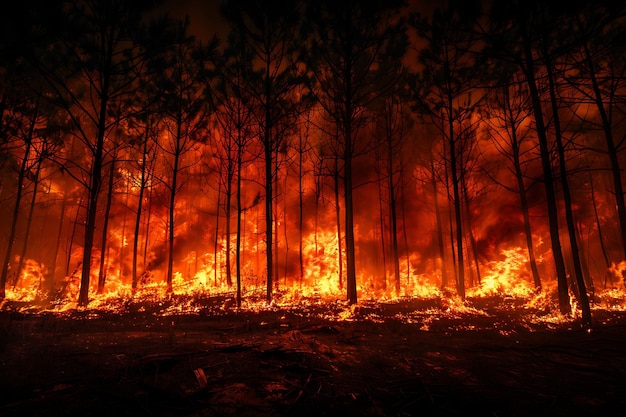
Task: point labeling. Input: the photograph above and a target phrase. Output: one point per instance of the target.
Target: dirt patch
(296, 363)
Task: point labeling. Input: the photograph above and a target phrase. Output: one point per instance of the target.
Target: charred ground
(404, 358)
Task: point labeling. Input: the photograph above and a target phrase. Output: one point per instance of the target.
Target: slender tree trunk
(404, 230)
(613, 151)
(275, 268)
(51, 278)
(285, 230)
(228, 214)
(122, 254)
(529, 69)
(300, 209)
(584, 264)
(469, 219)
(16, 210)
(382, 230)
(392, 214)
(519, 177)
(217, 226)
(605, 255)
(147, 232)
(527, 230)
(142, 188)
(347, 183)
(73, 237)
(460, 284)
(338, 221)
(269, 179)
(569, 215)
(256, 248)
(268, 218)
(239, 211)
(102, 275)
(29, 222)
(451, 223)
(440, 243)
(95, 177)
(172, 211)
(317, 216)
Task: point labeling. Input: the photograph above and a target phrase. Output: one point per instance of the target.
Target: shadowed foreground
(272, 363)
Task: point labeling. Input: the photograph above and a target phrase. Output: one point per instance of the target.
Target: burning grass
(493, 300)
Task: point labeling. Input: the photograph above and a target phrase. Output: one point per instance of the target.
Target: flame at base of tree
(506, 289)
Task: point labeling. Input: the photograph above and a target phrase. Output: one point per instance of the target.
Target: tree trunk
(51, 279)
(102, 275)
(73, 237)
(95, 177)
(460, 284)
(338, 218)
(349, 220)
(142, 188)
(612, 150)
(122, 254)
(228, 214)
(29, 222)
(519, 177)
(147, 231)
(276, 276)
(607, 260)
(269, 179)
(450, 222)
(300, 209)
(569, 215)
(469, 219)
(440, 243)
(216, 240)
(404, 232)
(529, 70)
(382, 229)
(172, 208)
(16, 210)
(285, 230)
(239, 211)
(392, 214)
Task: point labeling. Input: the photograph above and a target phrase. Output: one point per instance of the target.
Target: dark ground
(296, 363)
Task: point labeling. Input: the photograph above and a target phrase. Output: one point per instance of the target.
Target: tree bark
(53, 267)
(392, 209)
(338, 221)
(612, 150)
(29, 222)
(521, 187)
(16, 209)
(567, 198)
(142, 189)
(102, 275)
(529, 69)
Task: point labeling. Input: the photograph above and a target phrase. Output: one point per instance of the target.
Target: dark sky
(204, 16)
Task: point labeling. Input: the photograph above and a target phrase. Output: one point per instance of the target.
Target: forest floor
(407, 358)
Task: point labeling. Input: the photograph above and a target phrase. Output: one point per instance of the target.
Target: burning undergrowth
(488, 307)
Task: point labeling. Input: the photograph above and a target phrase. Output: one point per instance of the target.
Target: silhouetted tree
(351, 41)
(185, 109)
(235, 116)
(508, 114)
(269, 28)
(96, 60)
(444, 91)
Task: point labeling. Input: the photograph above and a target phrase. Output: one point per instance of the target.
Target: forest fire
(340, 208)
